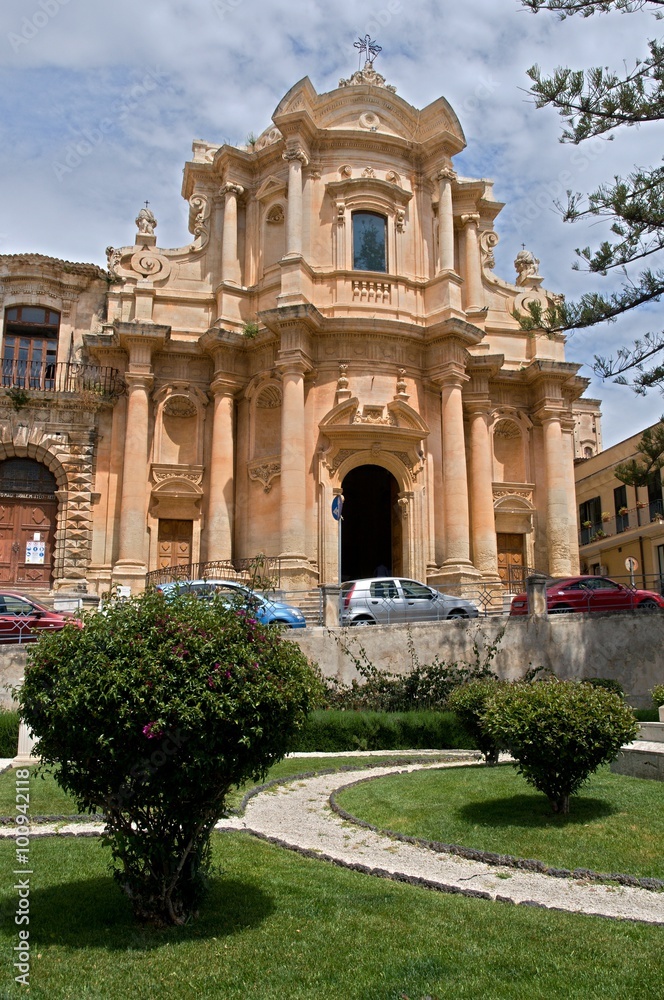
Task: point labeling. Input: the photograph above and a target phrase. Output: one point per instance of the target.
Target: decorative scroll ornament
(199, 217)
(149, 265)
(268, 137)
(374, 415)
(488, 240)
(113, 257)
(365, 76)
(296, 154)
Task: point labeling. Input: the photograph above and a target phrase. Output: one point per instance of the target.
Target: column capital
(475, 404)
(138, 380)
(296, 154)
(223, 387)
(445, 174)
(472, 218)
(294, 364)
(450, 376)
(547, 414)
(231, 188)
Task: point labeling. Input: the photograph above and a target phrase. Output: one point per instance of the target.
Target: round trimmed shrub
(469, 702)
(150, 714)
(559, 732)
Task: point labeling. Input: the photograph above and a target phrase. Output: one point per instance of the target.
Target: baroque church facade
(333, 327)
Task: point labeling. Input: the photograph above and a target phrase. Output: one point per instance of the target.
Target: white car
(386, 600)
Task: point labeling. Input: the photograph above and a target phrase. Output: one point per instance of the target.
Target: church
(333, 328)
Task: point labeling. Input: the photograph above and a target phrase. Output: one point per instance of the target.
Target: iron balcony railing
(636, 517)
(261, 572)
(66, 376)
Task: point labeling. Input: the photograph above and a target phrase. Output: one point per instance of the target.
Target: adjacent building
(333, 327)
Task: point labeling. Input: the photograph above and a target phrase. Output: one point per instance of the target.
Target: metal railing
(66, 376)
(636, 517)
(262, 572)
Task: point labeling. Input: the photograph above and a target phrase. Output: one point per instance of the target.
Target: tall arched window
(369, 242)
(30, 347)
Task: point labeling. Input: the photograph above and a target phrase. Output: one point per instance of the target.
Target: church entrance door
(174, 542)
(371, 527)
(511, 563)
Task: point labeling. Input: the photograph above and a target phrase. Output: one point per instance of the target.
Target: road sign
(631, 564)
(337, 505)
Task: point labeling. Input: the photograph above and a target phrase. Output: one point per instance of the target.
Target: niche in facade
(179, 436)
(274, 236)
(509, 463)
(267, 422)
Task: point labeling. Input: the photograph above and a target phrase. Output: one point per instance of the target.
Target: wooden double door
(27, 540)
(174, 542)
(511, 562)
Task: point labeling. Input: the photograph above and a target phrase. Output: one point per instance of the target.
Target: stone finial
(145, 221)
(343, 392)
(401, 392)
(527, 267)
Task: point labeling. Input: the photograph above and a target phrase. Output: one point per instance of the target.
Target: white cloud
(123, 89)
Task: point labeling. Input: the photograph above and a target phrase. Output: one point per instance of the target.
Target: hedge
(329, 731)
(8, 733)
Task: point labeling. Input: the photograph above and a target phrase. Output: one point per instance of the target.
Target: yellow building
(621, 528)
(333, 326)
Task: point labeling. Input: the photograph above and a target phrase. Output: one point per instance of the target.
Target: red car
(21, 618)
(590, 593)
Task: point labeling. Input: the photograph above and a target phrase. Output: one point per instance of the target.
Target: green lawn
(280, 926)
(616, 824)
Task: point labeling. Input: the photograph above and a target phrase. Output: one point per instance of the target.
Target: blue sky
(131, 85)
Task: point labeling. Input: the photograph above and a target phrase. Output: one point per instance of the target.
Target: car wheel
(647, 605)
(560, 609)
(458, 613)
(363, 621)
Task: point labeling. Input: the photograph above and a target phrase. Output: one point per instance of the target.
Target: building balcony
(24, 381)
(638, 518)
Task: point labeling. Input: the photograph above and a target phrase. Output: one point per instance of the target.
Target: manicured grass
(48, 799)
(280, 926)
(616, 824)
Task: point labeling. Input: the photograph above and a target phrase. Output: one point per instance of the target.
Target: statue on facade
(145, 221)
(527, 266)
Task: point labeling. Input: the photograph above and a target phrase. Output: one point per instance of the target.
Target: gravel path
(297, 815)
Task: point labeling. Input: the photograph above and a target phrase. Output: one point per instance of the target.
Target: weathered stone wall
(627, 647)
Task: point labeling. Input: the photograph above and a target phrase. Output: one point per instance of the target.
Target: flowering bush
(151, 713)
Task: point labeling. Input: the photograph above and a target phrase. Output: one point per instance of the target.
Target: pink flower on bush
(151, 732)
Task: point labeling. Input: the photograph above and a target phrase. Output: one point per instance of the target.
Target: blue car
(266, 611)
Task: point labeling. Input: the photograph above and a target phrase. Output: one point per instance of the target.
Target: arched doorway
(371, 528)
(28, 513)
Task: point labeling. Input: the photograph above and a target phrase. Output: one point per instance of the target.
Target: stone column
(296, 159)
(293, 461)
(455, 477)
(445, 220)
(485, 549)
(474, 290)
(221, 499)
(230, 263)
(131, 567)
(557, 523)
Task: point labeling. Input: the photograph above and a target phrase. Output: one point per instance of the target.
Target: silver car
(386, 600)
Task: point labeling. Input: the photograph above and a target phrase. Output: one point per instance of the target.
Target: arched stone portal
(371, 542)
(28, 515)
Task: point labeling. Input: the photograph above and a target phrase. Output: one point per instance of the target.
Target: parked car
(22, 619)
(267, 611)
(386, 600)
(590, 593)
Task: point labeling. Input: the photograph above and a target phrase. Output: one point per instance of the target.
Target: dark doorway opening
(370, 534)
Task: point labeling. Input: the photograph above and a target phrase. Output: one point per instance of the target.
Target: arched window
(369, 242)
(30, 347)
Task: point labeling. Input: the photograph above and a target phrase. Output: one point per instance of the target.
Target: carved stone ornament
(446, 174)
(393, 177)
(403, 506)
(231, 188)
(179, 406)
(296, 154)
(340, 208)
(199, 216)
(268, 137)
(264, 472)
(401, 384)
(345, 170)
(369, 172)
(365, 76)
(339, 458)
(342, 381)
(369, 120)
(276, 215)
(488, 240)
(146, 222)
(374, 415)
(149, 264)
(400, 218)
